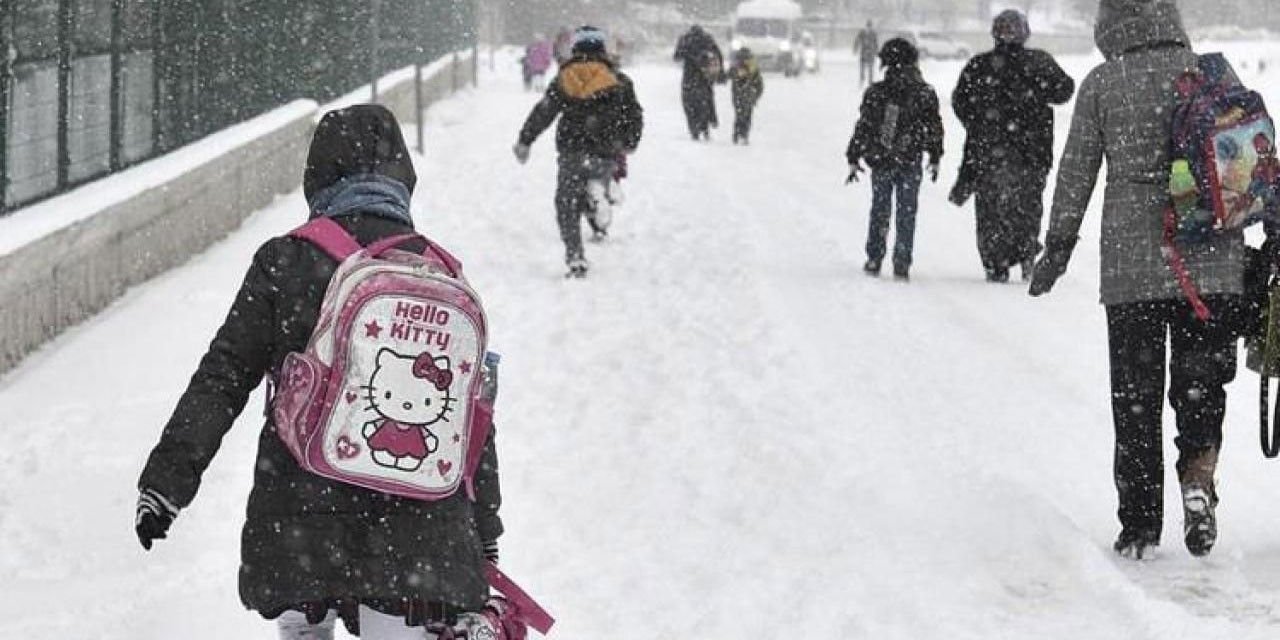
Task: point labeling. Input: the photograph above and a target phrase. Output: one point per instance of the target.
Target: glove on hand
(491, 550)
(522, 152)
(155, 514)
(933, 171)
(855, 168)
(1051, 265)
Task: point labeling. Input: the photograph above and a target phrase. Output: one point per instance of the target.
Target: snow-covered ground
(727, 431)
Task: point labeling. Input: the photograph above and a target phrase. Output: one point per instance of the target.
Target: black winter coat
(1004, 99)
(597, 106)
(886, 141)
(307, 539)
(698, 51)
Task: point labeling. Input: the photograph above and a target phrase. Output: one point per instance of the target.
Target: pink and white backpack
(386, 395)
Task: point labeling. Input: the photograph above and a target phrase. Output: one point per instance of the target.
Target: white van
(771, 30)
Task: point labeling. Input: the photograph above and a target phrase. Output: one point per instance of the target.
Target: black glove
(1051, 265)
(933, 171)
(155, 514)
(855, 168)
(491, 550)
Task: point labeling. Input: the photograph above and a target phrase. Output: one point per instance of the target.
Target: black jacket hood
(360, 139)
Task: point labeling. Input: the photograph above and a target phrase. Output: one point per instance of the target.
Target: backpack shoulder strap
(329, 236)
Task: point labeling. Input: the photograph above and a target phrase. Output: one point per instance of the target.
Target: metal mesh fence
(91, 86)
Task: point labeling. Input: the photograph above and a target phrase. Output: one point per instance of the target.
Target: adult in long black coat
(1004, 99)
(310, 544)
(703, 67)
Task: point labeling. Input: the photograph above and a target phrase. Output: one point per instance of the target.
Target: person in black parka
(703, 68)
(312, 547)
(600, 124)
(898, 124)
(1005, 101)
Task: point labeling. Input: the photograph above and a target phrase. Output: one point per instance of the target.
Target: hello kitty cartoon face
(411, 390)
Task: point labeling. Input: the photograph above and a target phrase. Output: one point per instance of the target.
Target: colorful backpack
(1224, 172)
(386, 395)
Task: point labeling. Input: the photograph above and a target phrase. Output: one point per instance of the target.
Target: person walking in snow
(866, 46)
(747, 86)
(898, 123)
(1124, 113)
(703, 68)
(600, 120)
(1004, 100)
(314, 549)
(537, 60)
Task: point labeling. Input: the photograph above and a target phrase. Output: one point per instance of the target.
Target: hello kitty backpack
(386, 395)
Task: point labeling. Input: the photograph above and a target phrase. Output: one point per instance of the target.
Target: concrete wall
(73, 272)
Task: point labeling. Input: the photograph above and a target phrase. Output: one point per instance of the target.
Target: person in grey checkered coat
(1124, 113)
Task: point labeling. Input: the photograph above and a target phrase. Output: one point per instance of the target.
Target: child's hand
(154, 516)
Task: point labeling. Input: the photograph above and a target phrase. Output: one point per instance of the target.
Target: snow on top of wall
(29, 224)
(782, 9)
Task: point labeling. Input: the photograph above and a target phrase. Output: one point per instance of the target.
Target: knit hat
(898, 52)
(1010, 27)
(588, 39)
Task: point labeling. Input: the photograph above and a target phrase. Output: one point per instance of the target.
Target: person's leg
(881, 210)
(689, 100)
(293, 625)
(1030, 216)
(1136, 341)
(571, 196)
(1202, 362)
(907, 183)
(380, 626)
(988, 228)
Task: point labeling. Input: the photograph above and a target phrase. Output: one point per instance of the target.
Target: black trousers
(742, 121)
(573, 199)
(1202, 359)
(1010, 210)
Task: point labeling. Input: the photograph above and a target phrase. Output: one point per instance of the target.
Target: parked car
(940, 46)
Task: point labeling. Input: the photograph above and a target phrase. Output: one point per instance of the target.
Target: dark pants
(1010, 211)
(1202, 360)
(905, 181)
(867, 71)
(699, 99)
(573, 200)
(742, 120)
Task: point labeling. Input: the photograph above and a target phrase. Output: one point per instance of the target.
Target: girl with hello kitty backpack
(376, 492)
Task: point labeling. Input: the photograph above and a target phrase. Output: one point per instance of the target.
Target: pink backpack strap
(329, 236)
(454, 265)
(526, 609)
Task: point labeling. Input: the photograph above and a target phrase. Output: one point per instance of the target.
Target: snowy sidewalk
(726, 431)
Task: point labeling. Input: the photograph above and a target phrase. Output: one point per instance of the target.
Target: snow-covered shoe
(998, 275)
(901, 273)
(1028, 266)
(1199, 524)
(577, 268)
(1139, 546)
(871, 267)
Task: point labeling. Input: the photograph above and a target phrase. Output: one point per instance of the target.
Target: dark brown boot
(1199, 498)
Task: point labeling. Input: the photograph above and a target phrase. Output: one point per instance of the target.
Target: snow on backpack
(386, 395)
(1224, 172)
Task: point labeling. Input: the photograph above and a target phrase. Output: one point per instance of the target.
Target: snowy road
(727, 431)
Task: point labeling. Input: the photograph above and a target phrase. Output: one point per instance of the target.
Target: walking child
(898, 123)
(747, 87)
